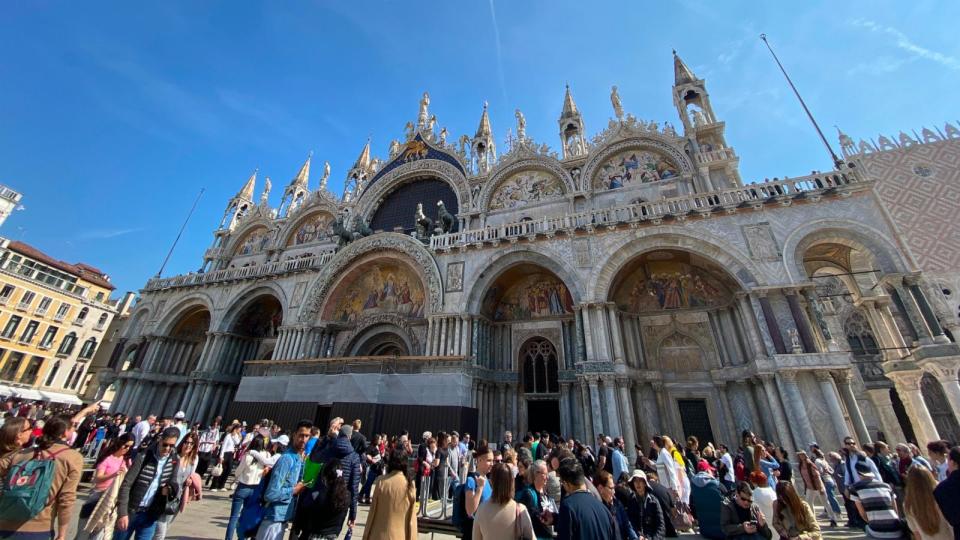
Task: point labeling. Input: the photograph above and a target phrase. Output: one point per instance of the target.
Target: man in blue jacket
(284, 486)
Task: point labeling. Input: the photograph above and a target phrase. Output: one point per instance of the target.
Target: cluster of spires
(895, 142)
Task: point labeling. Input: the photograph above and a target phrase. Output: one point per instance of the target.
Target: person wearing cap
(706, 497)
(876, 503)
(180, 422)
(644, 510)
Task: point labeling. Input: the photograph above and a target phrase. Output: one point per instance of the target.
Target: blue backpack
(460, 517)
(27, 487)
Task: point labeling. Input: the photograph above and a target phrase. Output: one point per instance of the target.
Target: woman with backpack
(323, 509)
(393, 513)
(27, 508)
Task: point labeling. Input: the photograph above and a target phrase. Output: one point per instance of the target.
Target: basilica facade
(629, 284)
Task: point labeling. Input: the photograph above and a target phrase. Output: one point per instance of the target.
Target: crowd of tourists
(310, 480)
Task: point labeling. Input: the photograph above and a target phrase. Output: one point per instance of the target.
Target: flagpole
(836, 160)
(182, 227)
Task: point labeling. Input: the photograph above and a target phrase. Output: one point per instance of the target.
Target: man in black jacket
(662, 494)
(948, 492)
(149, 483)
(740, 519)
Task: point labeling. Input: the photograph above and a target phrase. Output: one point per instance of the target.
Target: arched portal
(399, 207)
(255, 331)
(939, 407)
(539, 365)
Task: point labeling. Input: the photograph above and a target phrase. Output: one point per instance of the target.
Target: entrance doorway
(543, 415)
(696, 420)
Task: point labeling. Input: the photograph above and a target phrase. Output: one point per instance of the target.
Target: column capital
(911, 280)
(788, 376)
(907, 380)
(822, 376)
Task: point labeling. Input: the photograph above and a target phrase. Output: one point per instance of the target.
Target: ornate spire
(681, 72)
(569, 107)
(363, 162)
(302, 180)
(247, 191)
(484, 129)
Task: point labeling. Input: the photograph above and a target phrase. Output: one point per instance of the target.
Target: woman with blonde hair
(920, 508)
(681, 467)
(792, 517)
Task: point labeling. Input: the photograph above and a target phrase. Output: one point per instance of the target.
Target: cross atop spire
(484, 129)
(681, 73)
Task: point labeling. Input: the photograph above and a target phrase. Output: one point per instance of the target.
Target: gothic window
(88, 347)
(940, 411)
(539, 365)
(859, 335)
(73, 372)
(53, 374)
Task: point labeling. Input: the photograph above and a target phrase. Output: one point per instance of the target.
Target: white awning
(5, 390)
(57, 397)
(27, 393)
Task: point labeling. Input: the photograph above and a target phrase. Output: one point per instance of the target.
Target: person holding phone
(740, 519)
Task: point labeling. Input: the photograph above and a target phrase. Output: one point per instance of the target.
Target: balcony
(23, 306)
(100, 326)
(59, 317)
(810, 187)
(40, 312)
(712, 156)
(236, 274)
(25, 341)
(78, 322)
(4, 300)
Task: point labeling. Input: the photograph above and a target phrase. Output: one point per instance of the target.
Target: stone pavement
(207, 520)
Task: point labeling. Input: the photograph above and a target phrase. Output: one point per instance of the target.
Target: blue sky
(113, 115)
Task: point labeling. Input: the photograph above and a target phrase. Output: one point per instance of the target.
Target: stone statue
(431, 123)
(326, 175)
(699, 119)
(424, 113)
(409, 130)
(443, 136)
(424, 224)
(447, 221)
(795, 346)
(615, 101)
(760, 243)
(464, 145)
(266, 192)
(668, 129)
(394, 147)
(521, 125)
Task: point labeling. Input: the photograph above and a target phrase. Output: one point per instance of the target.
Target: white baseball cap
(180, 415)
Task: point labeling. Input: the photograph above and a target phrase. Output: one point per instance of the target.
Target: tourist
(112, 465)
(666, 467)
(852, 457)
(947, 492)
(228, 447)
(747, 439)
(392, 513)
(621, 467)
(501, 516)
(603, 454)
(553, 489)
(68, 465)
(917, 455)
(905, 459)
(706, 497)
(323, 508)
(683, 481)
(455, 461)
(740, 518)
(785, 468)
(829, 478)
(763, 494)
(768, 464)
(813, 485)
(588, 462)
(875, 503)
(666, 501)
(937, 450)
(507, 441)
(725, 472)
(542, 449)
(151, 475)
(349, 462)
(477, 489)
(645, 513)
(284, 486)
(534, 498)
(187, 453)
(14, 435)
(581, 516)
(887, 465)
(249, 472)
(180, 422)
(607, 489)
(373, 459)
(920, 507)
(792, 517)
(142, 429)
(440, 469)
(209, 441)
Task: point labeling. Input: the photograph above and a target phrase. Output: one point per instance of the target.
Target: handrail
(649, 211)
(244, 272)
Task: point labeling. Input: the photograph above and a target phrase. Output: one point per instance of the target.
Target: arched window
(53, 374)
(103, 320)
(88, 348)
(859, 335)
(82, 316)
(538, 361)
(68, 343)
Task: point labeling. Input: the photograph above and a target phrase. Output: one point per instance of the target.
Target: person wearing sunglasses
(113, 463)
(741, 519)
(14, 435)
(150, 481)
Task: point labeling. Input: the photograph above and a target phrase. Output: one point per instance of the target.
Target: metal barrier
(445, 498)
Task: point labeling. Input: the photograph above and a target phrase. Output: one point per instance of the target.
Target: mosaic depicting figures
(312, 229)
(523, 188)
(665, 285)
(634, 167)
(533, 296)
(254, 242)
(384, 288)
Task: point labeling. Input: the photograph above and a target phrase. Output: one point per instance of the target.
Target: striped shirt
(879, 503)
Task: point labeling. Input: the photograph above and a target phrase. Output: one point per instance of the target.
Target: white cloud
(904, 43)
(496, 40)
(105, 234)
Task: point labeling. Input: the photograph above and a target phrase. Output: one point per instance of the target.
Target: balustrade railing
(244, 272)
(751, 194)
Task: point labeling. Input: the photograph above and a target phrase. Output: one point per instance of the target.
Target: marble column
(579, 341)
(502, 411)
(628, 432)
(615, 333)
(765, 410)
(926, 310)
(443, 337)
(748, 321)
(729, 424)
(803, 324)
(908, 388)
(772, 326)
(595, 407)
(565, 425)
(880, 398)
(587, 332)
(904, 300)
(663, 413)
(781, 423)
(576, 397)
(843, 380)
(205, 401)
(799, 421)
(832, 400)
(480, 412)
(614, 427)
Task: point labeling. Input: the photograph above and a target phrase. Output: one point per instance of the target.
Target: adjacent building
(629, 283)
(9, 201)
(53, 317)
